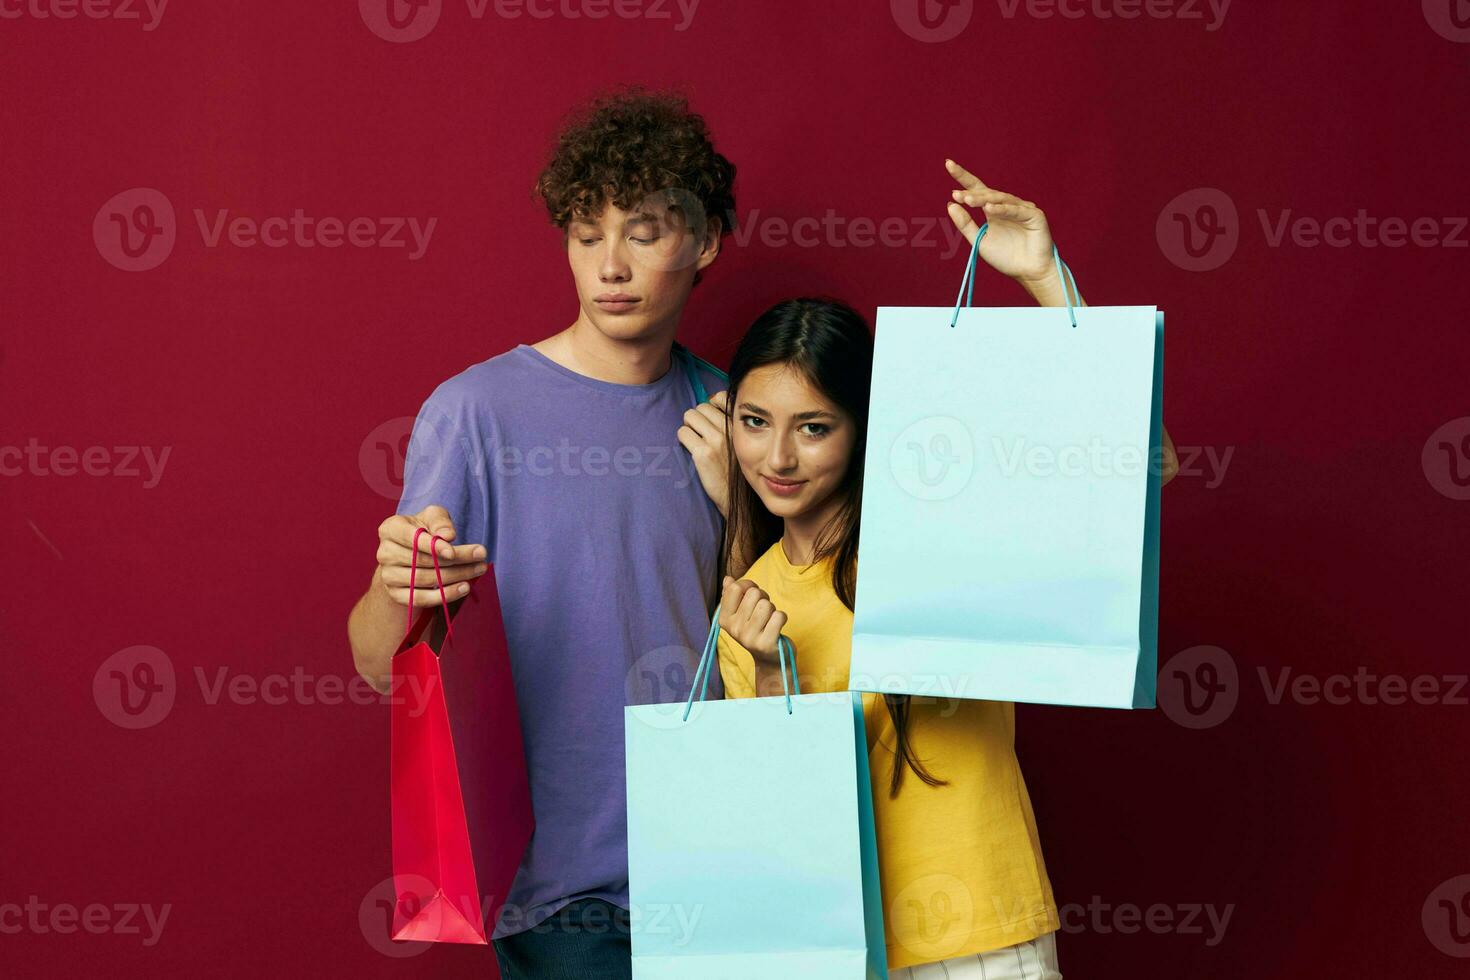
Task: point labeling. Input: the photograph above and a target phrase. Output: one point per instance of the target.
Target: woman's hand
(1017, 244)
(703, 434)
(752, 620)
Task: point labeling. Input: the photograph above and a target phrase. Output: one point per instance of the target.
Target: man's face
(634, 269)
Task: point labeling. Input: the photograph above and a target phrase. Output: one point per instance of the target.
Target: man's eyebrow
(752, 407)
(642, 218)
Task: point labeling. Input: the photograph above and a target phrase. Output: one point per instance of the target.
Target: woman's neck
(799, 533)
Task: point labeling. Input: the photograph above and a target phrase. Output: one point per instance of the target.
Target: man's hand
(703, 434)
(458, 565)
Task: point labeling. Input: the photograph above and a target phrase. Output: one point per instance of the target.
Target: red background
(1325, 547)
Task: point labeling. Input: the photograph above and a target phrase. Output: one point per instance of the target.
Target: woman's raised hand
(1017, 244)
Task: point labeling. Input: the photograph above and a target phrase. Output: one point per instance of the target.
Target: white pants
(1034, 960)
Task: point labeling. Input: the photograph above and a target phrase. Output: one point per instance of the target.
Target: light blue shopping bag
(751, 850)
(1010, 515)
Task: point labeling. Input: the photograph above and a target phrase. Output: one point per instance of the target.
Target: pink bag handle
(413, 575)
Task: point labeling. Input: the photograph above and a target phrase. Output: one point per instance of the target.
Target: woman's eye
(815, 429)
(751, 422)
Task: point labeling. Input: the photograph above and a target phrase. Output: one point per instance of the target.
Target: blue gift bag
(751, 849)
(1010, 515)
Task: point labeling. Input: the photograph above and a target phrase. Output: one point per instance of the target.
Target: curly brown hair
(625, 145)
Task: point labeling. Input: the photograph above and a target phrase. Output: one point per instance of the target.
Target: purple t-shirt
(604, 545)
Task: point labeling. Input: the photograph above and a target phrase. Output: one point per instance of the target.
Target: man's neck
(590, 352)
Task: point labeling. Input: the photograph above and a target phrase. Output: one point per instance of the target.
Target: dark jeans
(586, 940)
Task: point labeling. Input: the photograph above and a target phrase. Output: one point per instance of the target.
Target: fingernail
(464, 588)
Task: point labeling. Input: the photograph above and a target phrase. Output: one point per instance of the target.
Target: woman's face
(793, 444)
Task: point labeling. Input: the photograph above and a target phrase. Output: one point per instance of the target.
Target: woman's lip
(779, 487)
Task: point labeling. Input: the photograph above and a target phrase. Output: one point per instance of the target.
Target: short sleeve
(445, 465)
(737, 668)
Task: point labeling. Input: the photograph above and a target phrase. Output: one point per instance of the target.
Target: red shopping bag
(461, 796)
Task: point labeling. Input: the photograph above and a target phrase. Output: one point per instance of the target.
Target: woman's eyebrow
(752, 407)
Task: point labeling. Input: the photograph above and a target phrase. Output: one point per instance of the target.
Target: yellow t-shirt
(960, 865)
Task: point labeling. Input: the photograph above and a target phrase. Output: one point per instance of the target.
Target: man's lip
(616, 298)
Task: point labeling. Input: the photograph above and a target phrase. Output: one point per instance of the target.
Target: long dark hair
(830, 344)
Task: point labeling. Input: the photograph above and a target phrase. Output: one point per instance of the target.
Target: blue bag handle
(784, 649)
(967, 284)
(691, 368)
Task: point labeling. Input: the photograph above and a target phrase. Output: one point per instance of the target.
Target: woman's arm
(1018, 244)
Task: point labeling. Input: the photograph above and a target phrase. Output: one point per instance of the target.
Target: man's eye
(645, 241)
(588, 241)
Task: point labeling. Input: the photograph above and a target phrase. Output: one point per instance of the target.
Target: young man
(561, 463)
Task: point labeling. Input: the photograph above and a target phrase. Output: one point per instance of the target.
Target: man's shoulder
(481, 385)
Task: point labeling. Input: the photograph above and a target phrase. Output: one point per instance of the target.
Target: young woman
(965, 889)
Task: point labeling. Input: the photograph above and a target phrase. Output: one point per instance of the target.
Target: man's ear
(709, 249)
